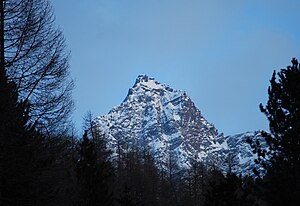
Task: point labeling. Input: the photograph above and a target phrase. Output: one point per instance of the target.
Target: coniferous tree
(150, 180)
(59, 177)
(20, 144)
(214, 193)
(229, 190)
(27, 161)
(92, 176)
(196, 182)
(34, 54)
(281, 158)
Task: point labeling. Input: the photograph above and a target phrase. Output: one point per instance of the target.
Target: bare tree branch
(37, 60)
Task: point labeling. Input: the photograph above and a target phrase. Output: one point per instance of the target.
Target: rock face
(243, 157)
(166, 122)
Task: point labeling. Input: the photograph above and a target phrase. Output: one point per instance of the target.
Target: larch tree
(35, 57)
(20, 148)
(27, 83)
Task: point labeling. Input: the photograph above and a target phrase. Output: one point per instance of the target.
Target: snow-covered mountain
(241, 152)
(166, 122)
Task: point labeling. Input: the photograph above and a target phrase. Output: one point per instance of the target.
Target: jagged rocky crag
(166, 122)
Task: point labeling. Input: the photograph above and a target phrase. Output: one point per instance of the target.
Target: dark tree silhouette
(281, 158)
(229, 190)
(196, 182)
(215, 194)
(20, 166)
(126, 198)
(92, 175)
(33, 52)
(25, 156)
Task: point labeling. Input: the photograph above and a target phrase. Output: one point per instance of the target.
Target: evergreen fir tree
(281, 159)
(214, 194)
(92, 176)
(228, 190)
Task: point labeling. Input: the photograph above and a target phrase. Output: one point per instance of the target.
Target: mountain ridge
(171, 126)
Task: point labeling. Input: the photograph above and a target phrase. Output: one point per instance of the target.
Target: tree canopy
(281, 157)
(35, 57)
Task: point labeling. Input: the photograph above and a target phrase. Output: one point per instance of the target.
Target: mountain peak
(163, 119)
(169, 125)
(148, 82)
(142, 78)
(148, 86)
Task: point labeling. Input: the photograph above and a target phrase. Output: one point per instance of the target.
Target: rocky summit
(167, 123)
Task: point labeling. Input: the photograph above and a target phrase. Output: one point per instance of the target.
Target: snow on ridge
(161, 117)
(168, 123)
(150, 83)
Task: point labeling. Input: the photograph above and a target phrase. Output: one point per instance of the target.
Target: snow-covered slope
(166, 122)
(243, 157)
(163, 119)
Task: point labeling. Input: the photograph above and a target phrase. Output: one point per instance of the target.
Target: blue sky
(222, 53)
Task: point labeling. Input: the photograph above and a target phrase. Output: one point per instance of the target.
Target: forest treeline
(42, 162)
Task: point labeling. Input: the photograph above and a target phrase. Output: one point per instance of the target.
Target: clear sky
(222, 53)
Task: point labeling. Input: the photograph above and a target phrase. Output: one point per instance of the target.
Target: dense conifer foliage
(229, 190)
(281, 159)
(14, 141)
(92, 175)
(31, 166)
